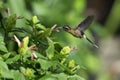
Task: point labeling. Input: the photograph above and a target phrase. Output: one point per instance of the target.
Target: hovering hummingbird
(79, 30)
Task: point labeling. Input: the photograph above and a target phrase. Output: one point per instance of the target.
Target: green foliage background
(63, 12)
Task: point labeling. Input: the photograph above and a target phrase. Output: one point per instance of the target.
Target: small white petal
(17, 40)
(34, 55)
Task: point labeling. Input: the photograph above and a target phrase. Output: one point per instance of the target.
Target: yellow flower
(24, 46)
(29, 72)
(23, 50)
(71, 64)
(65, 50)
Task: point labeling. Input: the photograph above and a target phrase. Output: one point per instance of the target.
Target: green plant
(36, 56)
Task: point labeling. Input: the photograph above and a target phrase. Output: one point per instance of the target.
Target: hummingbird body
(79, 31)
(76, 33)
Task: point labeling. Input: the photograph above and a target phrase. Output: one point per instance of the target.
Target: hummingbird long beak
(56, 28)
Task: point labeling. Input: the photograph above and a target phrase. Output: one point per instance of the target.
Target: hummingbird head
(66, 28)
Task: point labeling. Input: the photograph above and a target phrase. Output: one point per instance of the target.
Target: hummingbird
(79, 30)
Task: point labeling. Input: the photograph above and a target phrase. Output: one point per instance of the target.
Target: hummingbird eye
(66, 28)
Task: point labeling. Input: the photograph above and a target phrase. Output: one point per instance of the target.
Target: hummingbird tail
(91, 42)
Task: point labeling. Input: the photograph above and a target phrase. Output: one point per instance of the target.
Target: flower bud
(24, 46)
(35, 19)
(25, 41)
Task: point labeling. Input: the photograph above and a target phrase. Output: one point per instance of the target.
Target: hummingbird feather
(85, 23)
(79, 31)
(84, 36)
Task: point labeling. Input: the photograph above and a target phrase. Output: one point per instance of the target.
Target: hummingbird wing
(85, 23)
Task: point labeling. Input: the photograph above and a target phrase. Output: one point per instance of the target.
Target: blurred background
(96, 64)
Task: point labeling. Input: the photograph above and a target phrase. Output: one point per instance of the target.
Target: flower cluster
(23, 47)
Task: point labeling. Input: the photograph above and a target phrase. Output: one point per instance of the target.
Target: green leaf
(10, 22)
(3, 66)
(1, 58)
(4, 71)
(7, 74)
(45, 64)
(75, 77)
(11, 60)
(18, 75)
(40, 26)
(5, 56)
(60, 76)
(46, 33)
(50, 51)
(48, 76)
(2, 44)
